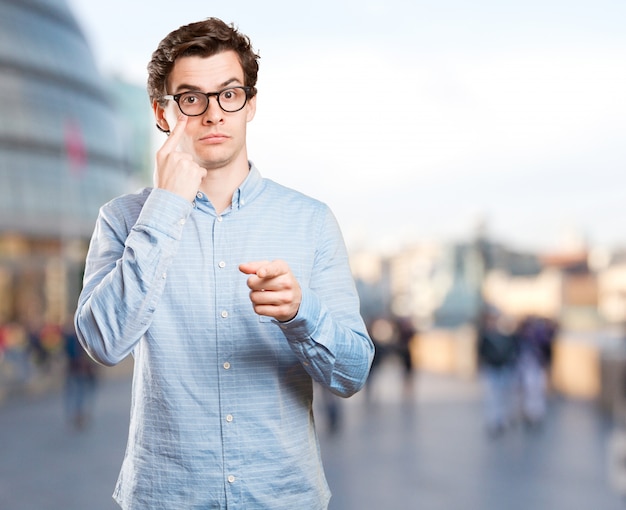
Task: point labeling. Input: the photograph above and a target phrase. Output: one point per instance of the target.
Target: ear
(251, 108)
(159, 116)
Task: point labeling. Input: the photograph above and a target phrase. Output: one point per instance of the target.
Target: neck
(220, 184)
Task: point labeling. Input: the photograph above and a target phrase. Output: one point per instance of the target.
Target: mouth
(213, 138)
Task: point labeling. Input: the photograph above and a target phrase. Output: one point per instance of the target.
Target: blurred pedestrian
(38, 353)
(80, 380)
(383, 332)
(16, 357)
(498, 351)
(394, 338)
(536, 336)
(332, 408)
(406, 338)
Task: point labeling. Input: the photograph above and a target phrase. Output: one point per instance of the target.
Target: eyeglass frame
(250, 91)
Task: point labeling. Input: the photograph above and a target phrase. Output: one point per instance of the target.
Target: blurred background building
(442, 289)
(70, 140)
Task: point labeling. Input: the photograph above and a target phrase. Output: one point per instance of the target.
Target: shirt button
(198, 195)
(193, 204)
(219, 218)
(231, 478)
(222, 264)
(182, 222)
(224, 314)
(164, 276)
(229, 418)
(226, 365)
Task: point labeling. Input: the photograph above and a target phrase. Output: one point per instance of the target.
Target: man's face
(216, 139)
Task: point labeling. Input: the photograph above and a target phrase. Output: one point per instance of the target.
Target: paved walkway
(433, 454)
(428, 452)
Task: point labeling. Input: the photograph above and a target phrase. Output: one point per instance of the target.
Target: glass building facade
(64, 151)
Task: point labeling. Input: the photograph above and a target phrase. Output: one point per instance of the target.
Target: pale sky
(415, 119)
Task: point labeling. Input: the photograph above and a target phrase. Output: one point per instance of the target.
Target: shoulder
(298, 210)
(271, 191)
(137, 198)
(127, 202)
(124, 209)
(286, 195)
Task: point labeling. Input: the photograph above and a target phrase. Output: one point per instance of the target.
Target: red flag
(75, 149)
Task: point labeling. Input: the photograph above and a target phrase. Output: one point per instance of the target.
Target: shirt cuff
(302, 327)
(165, 212)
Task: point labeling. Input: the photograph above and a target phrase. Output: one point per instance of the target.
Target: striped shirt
(221, 413)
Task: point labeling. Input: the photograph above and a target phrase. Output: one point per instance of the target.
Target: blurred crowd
(26, 350)
(48, 355)
(514, 358)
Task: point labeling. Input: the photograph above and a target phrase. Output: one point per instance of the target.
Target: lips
(214, 138)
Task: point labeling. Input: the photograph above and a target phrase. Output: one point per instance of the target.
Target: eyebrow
(186, 86)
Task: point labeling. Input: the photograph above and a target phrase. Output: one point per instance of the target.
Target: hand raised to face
(176, 171)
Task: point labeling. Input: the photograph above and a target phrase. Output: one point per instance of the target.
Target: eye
(190, 99)
(229, 94)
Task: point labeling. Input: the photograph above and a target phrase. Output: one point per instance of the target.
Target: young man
(231, 292)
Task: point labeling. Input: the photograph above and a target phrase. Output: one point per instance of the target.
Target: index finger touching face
(171, 144)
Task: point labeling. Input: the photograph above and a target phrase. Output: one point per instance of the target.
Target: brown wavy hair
(204, 39)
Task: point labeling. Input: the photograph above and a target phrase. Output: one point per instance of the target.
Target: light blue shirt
(221, 413)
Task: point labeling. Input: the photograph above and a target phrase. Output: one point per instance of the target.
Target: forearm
(328, 334)
(334, 348)
(125, 277)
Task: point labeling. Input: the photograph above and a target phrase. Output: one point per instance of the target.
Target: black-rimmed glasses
(195, 103)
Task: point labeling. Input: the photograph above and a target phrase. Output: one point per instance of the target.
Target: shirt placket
(224, 298)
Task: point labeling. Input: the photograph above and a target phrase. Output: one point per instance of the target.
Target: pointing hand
(274, 290)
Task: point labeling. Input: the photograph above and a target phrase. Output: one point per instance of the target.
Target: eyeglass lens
(196, 103)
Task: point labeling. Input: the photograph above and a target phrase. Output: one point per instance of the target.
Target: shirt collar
(249, 188)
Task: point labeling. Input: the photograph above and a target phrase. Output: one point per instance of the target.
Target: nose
(213, 114)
